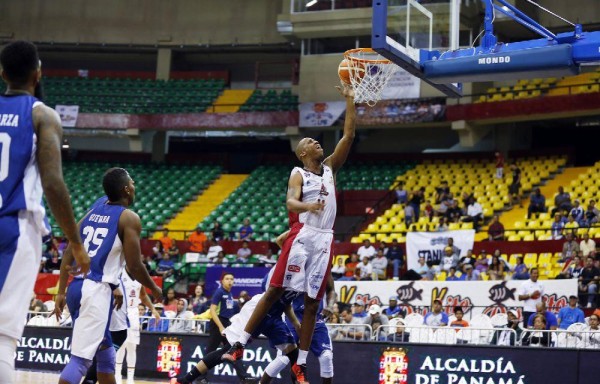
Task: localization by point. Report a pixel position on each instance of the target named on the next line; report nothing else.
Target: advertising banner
(489, 297)
(430, 245)
(402, 112)
(402, 85)
(245, 279)
(321, 114)
(68, 114)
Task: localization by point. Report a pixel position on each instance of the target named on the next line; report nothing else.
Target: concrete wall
(143, 22)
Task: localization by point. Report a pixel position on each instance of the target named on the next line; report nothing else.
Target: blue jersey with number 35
(100, 234)
(20, 185)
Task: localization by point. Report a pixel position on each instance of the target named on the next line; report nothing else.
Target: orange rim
(348, 56)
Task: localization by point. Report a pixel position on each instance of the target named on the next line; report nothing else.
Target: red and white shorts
(305, 261)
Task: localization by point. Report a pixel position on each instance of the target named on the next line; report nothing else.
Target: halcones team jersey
(317, 187)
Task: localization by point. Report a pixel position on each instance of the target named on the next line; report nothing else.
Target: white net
(369, 73)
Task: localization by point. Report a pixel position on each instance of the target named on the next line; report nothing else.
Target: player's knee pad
(105, 360)
(75, 370)
(277, 365)
(326, 363)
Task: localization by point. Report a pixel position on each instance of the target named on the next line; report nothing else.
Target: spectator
(452, 275)
(244, 253)
(216, 233)
(570, 248)
(149, 264)
(268, 259)
(220, 259)
(409, 214)
(423, 270)
(496, 229)
(198, 302)
(536, 337)
(143, 313)
(470, 274)
(454, 213)
(174, 250)
(367, 249)
(157, 251)
(466, 197)
(358, 310)
(577, 212)
(474, 213)
(521, 271)
(588, 283)
(395, 255)
(587, 245)
(415, 200)
(165, 240)
(442, 225)
(531, 292)
(393, 310)
(562, 201)
(165, 267)
(449, 260)
(496, 269)
(53, 263)
(161, 325)
(351, 333)
(400, 335)
(170, 301)
(590, 336)
(401, 194)
(351, 265)
(436, 318)
(499, 165)
(469, 258)
(482, 263)
(459, 322)
(366, 269)
(573, 268)
(551, 321)
(455, 249)
(571, 225)
(36, 305)
(537, 203)
(557, 227)
(505, 337)
(570, 314)
(591, 214)
(339, 269)
(442, 210)
(379, 265)
(442, 192)
(376, 319)
(197, 240)
(515, 185)
(429, 211)
(182, 322)
(245, 232)
(213, 249)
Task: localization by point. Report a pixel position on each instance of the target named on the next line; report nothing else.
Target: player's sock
(130, 373)
(75, 370)
(118, 370)
(245, 337)
(190, 376)
(302, 355)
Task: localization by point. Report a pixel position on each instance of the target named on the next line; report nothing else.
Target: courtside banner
(476, 297)
(430, 245)
(68, 114)
(321, 114)
(245, 279)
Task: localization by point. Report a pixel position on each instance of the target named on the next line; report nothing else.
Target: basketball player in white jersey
(30, 165)
(305, 260)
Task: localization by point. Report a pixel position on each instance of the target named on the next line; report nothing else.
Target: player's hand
(157, 293)
(59, 305)
(327, 312)
(346, 90)
(156, 314)
(316, 207)
(118, 295)
(81, 258)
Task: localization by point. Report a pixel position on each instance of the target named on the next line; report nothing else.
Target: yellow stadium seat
(530, 259)
(514, 238)
(356, 240)
(372, 228)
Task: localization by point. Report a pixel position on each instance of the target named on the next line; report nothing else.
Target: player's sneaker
(234, 353)
(300, 372)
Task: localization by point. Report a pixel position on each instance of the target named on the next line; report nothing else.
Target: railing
(350, 331)
(332, 5)
(438, 335)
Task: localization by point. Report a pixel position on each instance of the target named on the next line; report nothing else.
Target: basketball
(535, 295)
(344, 71)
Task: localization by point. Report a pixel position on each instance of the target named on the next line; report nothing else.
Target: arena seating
(271, 101)
(471, 176)
(133, 96)
(161, 190)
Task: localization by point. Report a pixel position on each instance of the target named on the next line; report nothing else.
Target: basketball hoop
(369, 73)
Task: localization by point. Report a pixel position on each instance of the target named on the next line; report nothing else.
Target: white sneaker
(118, 379)
(589, 305)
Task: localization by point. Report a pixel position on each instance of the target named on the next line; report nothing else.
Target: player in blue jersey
(111, 235)
(30, 165)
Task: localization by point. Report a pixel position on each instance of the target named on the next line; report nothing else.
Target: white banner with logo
(322, 114)
(402, 85)
(489, 297)
(431, 245)
(68, 114)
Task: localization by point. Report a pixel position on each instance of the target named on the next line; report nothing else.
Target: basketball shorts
(90, 304)
(20, 257)
(305, 261)
(275, 330)
(320, 341)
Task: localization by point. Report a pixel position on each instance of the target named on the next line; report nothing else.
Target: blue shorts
(275, 330)
(320, 341)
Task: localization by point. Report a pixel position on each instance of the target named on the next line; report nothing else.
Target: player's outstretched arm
(281, 238)
(339, 156)
(130, 228)
(148, 304)
(294, 192)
